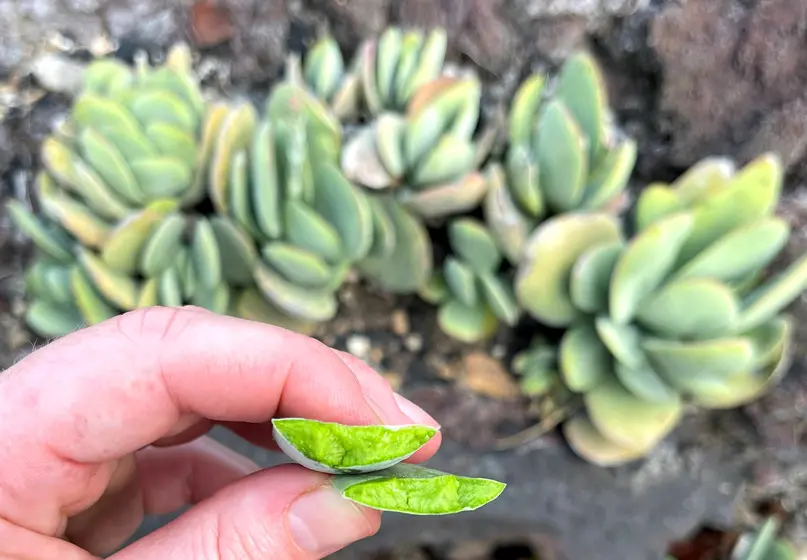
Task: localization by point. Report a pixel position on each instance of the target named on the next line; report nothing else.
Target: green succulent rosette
(564, 154)
(680, 312)
(116, 227)
(278, 178)
(383, 76)
(474, 294)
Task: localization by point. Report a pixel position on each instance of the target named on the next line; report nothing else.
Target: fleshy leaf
(295, 300)
(709, 358)
(627, 421)
(335, 448)
(773, 296)
(584, 360)
(591, 445)
(591, 277)
(644, 264)
(562, 158)
(466, 324)
(542, 280)
(693, 308)
(418, 490)
(473, 244)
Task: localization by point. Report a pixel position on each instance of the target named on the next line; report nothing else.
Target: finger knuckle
(159, 324)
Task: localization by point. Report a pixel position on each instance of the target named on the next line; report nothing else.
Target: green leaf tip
(341, 449)
(418, 490)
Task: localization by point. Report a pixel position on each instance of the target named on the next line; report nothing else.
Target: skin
(108, 424)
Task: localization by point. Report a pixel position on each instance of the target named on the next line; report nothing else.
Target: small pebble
(400, 322)
(359, 345)
(58, 73)
(413, 343)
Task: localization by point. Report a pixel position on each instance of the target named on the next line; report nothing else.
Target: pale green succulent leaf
(773, 296)
(162, 246)
(346, 208)
(411, 44)
(690, 308)
(385, 63)
(362, 162)
(471, 241)
(655, 203)
(505, 221)
(628, 421)
(96, 194)
(237, 251)
(423, 131)
(163, 106)
(297, 265)
(242, 208)
(111, 165)
(93, 308)
(704, 180)
(500, 298)
(751, 195)
(390, 130)
(430, 60)
(456, 197)
(324, 67)
(645, 263)
(624, 342)
(409, 266)
(162, 177)
(582, 89)
(335, 448)
(611, 175)
(417, 490)
(769, 341)
(215, 299)
(101, 73)
(707, 358)
(591, 445)
(562, 158)
(469, 324)
(541, 283)
(461, 281)
(52, 320)
(169, 287)
(251, 305)
(206, 255)
(524, 109)
(174, 142)
(117, 288)
(370, 55)
(384, 235)
(644, 383)
(234, 134)
(590, 277)
(309, 230)
(127, 240)
(523, 180)
(295, 300)
(741, 252)
(584, 359)
(181, 83)
(149, 294)
(45, 238)
(73, 216)
(450, 158)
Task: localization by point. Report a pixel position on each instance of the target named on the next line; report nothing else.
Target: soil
(687, 79)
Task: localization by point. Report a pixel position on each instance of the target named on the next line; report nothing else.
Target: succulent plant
(278, 178)
(763, 544)
(428, 156)
(563, 155)
(477, 296)
(383, 76)
(121, 177)
(678, 313)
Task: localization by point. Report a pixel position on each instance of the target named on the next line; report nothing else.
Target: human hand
(107, 424)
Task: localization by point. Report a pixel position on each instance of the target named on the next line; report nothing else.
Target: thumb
(283, 513)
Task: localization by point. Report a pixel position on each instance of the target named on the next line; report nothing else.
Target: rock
(359, 346)
(413, 343)
(259, 43)
(399, 322)
(354, 20)
(57, 73)
(153, 22)
(732, 71)
(210, 24)
(590, 8)
(486, 375)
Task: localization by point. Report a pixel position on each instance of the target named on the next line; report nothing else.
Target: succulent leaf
(562, 157)
(541, 281)
(506, 223)
(465, 323)
(591, 276)
(774, 295)
(592, 446)
(584, 360)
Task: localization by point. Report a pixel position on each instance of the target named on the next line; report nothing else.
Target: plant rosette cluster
(679, 313)
(367, 462)
(121, 177)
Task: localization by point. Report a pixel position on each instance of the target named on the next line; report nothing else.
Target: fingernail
(322, 521)
(413, 411)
